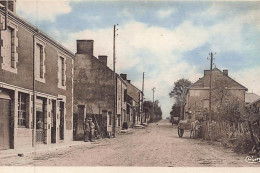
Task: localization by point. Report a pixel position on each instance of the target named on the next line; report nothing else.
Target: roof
(35, 30)
(251, 97)
(201, 80)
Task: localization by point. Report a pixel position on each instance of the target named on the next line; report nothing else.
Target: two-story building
(95, 92)
(36, 86)
(224, 90)
(121, 103)
(134, 103)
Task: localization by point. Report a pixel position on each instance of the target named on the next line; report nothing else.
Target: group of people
(89, 130)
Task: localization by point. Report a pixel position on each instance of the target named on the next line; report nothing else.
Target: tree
(179, 94)
(179, 90)
(148, 110)
(175, 112)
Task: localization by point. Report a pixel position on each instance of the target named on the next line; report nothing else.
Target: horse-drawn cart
(191, 125)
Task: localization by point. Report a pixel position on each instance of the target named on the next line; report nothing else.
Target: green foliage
(175, 112)
(179, 90)
(148, 110)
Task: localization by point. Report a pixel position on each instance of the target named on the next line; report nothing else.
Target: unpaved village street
(156, 145)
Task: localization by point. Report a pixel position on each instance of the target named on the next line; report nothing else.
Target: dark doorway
(53, 122)
(61, 120)
(5, 125)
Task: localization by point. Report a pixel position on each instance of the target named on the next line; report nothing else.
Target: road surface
(156, 145)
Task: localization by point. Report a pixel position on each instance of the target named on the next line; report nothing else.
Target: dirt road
(156, 145)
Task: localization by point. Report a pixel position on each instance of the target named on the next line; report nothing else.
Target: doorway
(5, 124)
(53, 122)
(61, 120)
(39, 121)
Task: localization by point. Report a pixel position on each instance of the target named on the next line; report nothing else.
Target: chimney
(11, 5)
(206, 72)
(85, 47)
(123, 76)
(103, 59)
(129, 81)
(225, 72)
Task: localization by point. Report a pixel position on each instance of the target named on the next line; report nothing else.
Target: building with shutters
(24, 47)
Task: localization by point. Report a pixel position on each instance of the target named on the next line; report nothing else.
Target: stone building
(23, 46)
(94, 92)
(121, 103)
(224, 90)
(134, 105)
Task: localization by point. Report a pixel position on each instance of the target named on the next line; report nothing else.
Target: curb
(32, 151)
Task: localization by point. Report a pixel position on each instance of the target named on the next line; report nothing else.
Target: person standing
(86, 128)
(92, 129)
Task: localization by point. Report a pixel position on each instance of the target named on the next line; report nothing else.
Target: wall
(22, 81)
(93, 84)
(224, 89)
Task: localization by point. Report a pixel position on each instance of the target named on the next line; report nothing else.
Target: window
(21, 110)
(39, 61)
(8, 50)
(61, 72)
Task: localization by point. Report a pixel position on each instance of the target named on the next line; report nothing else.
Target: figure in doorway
(92, 130)
(39, 124)
(86, 128)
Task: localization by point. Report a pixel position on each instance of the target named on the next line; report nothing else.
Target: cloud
(166, 13)
(249, 78)
(43, 9)
(160, 51)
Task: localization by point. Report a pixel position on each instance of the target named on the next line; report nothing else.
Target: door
(53, 122)
(39, 121)
(61, 120)
(4, 124)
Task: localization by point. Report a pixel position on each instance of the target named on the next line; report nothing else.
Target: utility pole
(115, 79)
(34, 91)
(143, 101)
(153, 99)
(6, 15)
(210, 87)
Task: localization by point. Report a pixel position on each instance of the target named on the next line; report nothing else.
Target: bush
(242, 144)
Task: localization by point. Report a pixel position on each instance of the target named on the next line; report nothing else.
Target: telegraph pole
(210, 87)
(143, 101)
(115, 79)
(153, 99)
(34, 90)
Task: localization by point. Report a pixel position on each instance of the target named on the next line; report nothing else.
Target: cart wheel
(180, 132)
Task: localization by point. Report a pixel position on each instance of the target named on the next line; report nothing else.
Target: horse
(195, 128)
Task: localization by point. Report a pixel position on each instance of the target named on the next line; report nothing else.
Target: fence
(215, 131)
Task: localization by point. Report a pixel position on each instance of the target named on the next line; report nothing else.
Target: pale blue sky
(167, 40)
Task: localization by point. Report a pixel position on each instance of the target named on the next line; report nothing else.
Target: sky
(168, 40)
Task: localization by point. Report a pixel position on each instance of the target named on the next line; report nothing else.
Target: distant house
(224, 90)
(251, 97)
(253, 100)
(134, 105)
